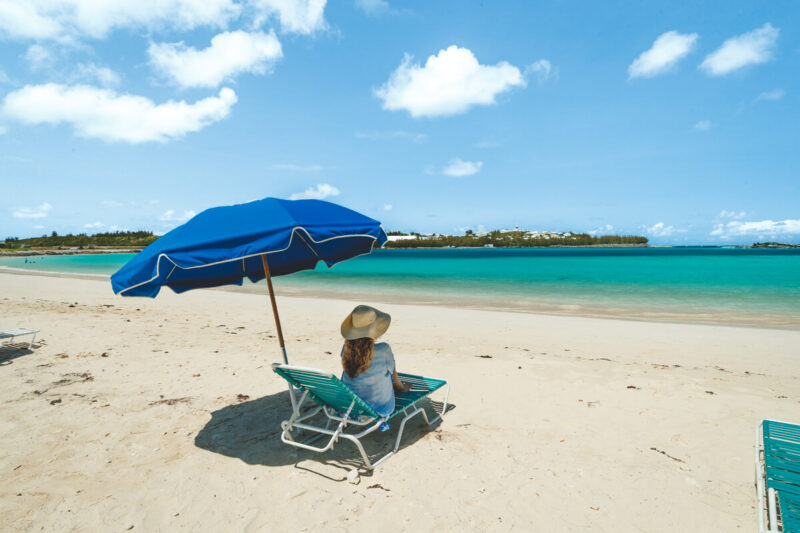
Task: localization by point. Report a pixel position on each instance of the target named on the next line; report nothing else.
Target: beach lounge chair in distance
(777, 456)
(344, 408)
(17, 332)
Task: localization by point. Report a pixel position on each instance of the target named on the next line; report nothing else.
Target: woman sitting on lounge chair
(369, 368)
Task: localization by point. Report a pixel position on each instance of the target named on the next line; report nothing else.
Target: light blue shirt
(374, 386)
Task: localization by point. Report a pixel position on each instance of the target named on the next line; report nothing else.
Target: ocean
(727, 285)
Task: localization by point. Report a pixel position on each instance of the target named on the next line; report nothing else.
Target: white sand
(546, 435)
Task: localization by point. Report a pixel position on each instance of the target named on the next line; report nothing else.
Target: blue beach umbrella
(256, 240)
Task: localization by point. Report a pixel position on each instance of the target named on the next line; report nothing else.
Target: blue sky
(675, 122)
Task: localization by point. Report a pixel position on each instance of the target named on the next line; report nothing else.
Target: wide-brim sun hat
(365, 321)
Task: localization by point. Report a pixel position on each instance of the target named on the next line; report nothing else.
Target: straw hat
(365, 321)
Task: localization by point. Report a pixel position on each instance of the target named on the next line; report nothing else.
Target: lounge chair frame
(18, 332)
(357, 414)
(777, 463)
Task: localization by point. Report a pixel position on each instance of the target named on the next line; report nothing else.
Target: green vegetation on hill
(774, 245)
(117, 239)
(514, 239)
(497, 239)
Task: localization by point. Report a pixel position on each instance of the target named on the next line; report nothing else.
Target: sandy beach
(163, 415)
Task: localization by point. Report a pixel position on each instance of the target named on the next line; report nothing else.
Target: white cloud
(703, 125)
(42, 58)
(94, 225)
(750, 48)
(4, 78)
(298, 168)
(776, 94)
(388, 135)
(667, 50)
(320, 192)
(373, 7)
(38, 57)
(458, 168)
(732, 214)
(103, 75)
(35, 212)
(602, 230)
(660, 230)
(22, 19)
(38, 226)
(295, 16)
(230, 54)
(387, 207)
(543, 71)
(761, 227)
(171, 216)
(68, 19)
(105, 114)
(449, 83)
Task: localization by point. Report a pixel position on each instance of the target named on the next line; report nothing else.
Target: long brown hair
(357, 355)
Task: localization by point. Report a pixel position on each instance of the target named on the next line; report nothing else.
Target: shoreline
(631, 313)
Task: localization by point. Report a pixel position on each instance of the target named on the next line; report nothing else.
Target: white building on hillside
(393, 238)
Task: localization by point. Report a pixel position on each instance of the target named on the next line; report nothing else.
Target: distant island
(112, 242)
(510, 239)
(774, 245)
(134, 241)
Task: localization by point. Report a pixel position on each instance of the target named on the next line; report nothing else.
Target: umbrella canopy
(223, 245)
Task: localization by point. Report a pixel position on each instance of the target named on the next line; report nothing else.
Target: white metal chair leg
(773, 512)
(296, 422)
(759, 481)
(30, 344)
(360, 447)
(400, 434)
(444, 407)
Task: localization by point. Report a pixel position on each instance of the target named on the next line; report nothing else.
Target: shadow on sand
(11, 351)
(250, 431)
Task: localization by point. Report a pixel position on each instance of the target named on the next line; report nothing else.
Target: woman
(369, 368)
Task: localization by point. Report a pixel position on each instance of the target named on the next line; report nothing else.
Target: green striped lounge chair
(777, 454)
(343, 409)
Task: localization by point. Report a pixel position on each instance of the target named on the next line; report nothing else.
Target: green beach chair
(777, 454)
(342, 406)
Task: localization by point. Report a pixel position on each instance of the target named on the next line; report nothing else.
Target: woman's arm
(398, 385)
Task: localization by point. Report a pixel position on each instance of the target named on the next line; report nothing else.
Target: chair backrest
(782, 456)
(325, 389)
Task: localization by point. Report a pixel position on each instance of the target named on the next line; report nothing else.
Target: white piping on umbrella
(291, 238)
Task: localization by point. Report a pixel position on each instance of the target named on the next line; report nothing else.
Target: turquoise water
(105, 264)
(742, 285)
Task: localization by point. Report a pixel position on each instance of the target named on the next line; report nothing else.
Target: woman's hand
(398, 385)
(402, 386)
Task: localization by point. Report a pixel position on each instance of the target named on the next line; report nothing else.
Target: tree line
(515, 239)
(132, 239)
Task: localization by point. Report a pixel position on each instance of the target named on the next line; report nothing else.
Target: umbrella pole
(277, 318)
